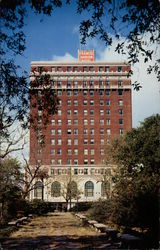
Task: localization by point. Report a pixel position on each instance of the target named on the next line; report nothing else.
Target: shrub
(81, 207)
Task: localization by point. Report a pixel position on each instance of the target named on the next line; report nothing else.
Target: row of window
(81, 171)
(56, 189)
(74, 151)
(91, 92)
(75, 122)
(90, 83)
(83, 68)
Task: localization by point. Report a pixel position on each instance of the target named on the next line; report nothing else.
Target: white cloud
(65, 58)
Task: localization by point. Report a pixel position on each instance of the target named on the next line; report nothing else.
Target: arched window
(105, 188)
(38, 189)
(89, 189)
(56, 189)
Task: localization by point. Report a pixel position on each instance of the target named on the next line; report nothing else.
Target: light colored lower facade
(92, 183)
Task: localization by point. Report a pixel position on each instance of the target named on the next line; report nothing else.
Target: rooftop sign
(86, 55)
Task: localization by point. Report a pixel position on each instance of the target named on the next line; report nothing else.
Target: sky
(57, 38)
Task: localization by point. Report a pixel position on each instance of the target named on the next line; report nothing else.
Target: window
(85, 122)
(85, 102)
(69, 102)
(52, 161)
(85, 92)
(107, 92)
(121, 111)
(101, 151)
(59, 161)
(69, 131)
(91, 161)
(69, 122)
(39, 151)
(91, 112)
(59, 131)
(76, 151)
(101, 69)
(91, 83)
(75, 122)
(75, 131)
(85, 161)
(101, 102)
(56, 189)
(108, 131)
(68, 84)
(108, 122)
(100, 83)
(59, 92)
(52, 151)
(91, 122)
(121, 131)
(75, 103)
(59, 122)
(59, 141)
(84, 83)
(120, 92)
(92, 151)
(89, 189)
(52, 141)
(75, 171)
(39, 112)
(52, 122)
(59, 83)
(91, 141)
(91, 131)
(121, 121)
(69, 69)
(53, 69)
(107, 69)
(52, 131)
(85, 151)
(86, 171)
(91, 102)
(85, 112)
(68, 112)
(75, 141)
(119, 68)
(101, 131)
(91, 92)
(107, 102)
(59, 112)
(84, 69)
(75, 112)
(59, 102)
(38, 189)
(101, 92)
(85, 131)
(59, 69)
(69, 161)
(69, 151)
(120, 83)
(75, 69)
(107, 82)
(85, 141)
(102, 141)
(39, 120)
(59, 151)
(101, 122)
(101, 112)
(120, 102)
(69, 93)
(108, 111)
(91, 69)
(76, 161)
(69, 142)
(75, 92)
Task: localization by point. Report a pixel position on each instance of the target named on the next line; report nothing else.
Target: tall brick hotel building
(94, 106)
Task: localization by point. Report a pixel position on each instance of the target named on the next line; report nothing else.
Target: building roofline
(50, 63)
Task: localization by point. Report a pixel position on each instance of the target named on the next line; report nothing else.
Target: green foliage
(81, 207)
(101, 211)
(40, 207)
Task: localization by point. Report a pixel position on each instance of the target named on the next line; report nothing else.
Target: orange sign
(86, 55)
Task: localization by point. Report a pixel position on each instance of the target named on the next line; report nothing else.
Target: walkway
(57, 231)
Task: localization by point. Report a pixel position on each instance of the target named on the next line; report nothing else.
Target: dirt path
(59, 231)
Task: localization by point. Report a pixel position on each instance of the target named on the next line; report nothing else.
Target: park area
(57, 231)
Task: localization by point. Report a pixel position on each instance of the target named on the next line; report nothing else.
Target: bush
(101, 211)
(81, 207)
(40, 207)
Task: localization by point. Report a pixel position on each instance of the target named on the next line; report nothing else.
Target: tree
(136, 181)
(10, 185)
